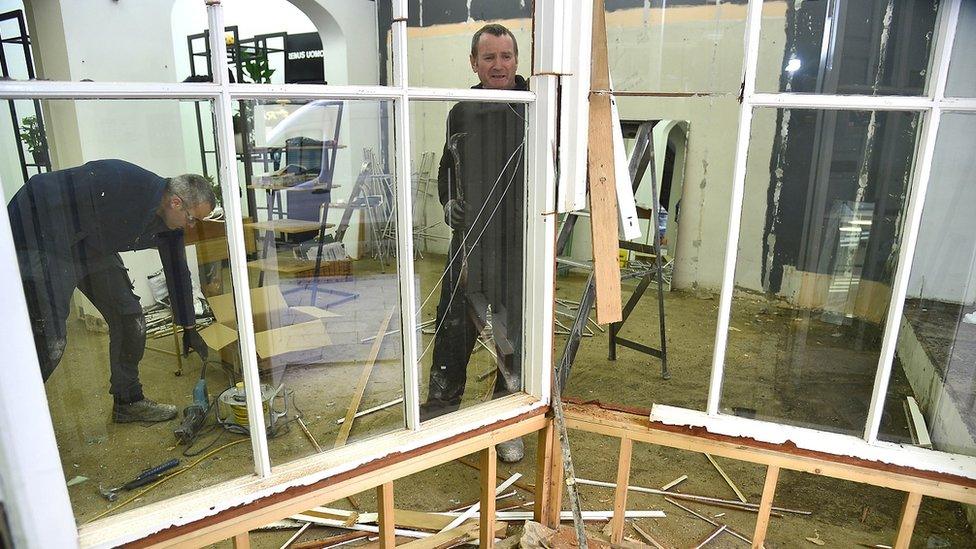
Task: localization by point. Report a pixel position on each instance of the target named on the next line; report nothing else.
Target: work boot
(145, 410)
(511, 451)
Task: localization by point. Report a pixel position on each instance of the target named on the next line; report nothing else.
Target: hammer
(144, 478)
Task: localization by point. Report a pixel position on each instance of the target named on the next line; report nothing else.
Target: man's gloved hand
(454, 213)
(193, 341)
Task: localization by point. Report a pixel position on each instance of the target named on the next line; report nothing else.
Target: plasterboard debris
(536, 536)
(77, 480)
(816, 539)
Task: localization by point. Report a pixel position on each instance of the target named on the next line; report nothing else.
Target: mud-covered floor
(844, 513)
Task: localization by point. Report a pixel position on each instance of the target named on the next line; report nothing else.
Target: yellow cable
(164, 479)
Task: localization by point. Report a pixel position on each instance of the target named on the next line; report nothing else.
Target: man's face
(178, 215)
(496, 62)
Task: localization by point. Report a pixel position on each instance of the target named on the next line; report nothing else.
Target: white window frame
(932, 105)
(28, 450)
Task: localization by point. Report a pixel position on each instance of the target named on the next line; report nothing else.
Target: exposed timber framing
(237, 520)
(632, 424)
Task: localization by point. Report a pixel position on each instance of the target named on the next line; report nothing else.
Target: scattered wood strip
(518, 483)
(330, 541)
(647, 537)
(714, 534)
(464, 506)
(357, 396)
(674, 482)
(477, 506)
(708, 520)
(341, 515)
(568, 515)
(692, 497)
(448, 538)
(368, 411)
(308, 434)
(291, 540)
(728, 480)
(358, 527)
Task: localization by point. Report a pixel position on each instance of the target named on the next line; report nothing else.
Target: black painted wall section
(799, 221)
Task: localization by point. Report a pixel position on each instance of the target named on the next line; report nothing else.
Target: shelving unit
(40, 164)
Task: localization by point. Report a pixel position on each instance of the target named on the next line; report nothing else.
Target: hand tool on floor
(194, 414)
(144, 478)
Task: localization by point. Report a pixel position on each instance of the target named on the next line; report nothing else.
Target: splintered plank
(602, 183)
(357, 396)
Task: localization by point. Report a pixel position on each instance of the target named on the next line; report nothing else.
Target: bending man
(69, 227)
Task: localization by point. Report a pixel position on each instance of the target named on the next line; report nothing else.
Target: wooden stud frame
(932, 105)
(633, 425)
(37, 454)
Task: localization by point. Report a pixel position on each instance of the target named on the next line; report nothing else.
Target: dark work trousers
(456, 336)
(49, 281)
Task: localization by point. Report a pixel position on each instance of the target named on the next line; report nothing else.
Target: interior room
(391, 222)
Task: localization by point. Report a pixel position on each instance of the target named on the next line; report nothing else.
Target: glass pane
(932, 376)
(693, 161)
(823, 204)
(662, 47)
(439, 44)
(110, 251)
(321, 190)
(962, 70)
(283, 42)
(154, 38)
(875, 47)
(468, 228)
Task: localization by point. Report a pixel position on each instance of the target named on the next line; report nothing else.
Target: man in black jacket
(480, 183)
(69, 227)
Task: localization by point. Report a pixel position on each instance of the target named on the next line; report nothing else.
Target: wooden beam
(489, 474)
(765, 506)
(620, 493)
(242, 541)
(357, 396)
(594, 419)
(555, 480)
(296, 500)
(602, 183)
(387, 520)
(909, 514)
(543, 466)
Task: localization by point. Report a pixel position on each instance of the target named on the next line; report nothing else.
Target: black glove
(454, 213)
(192, 340)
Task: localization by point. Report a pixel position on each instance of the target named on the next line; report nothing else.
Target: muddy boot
(511, 451)
(145, 410)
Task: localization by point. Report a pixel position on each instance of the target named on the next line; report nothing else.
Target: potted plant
(33, 137)
(255, 64)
